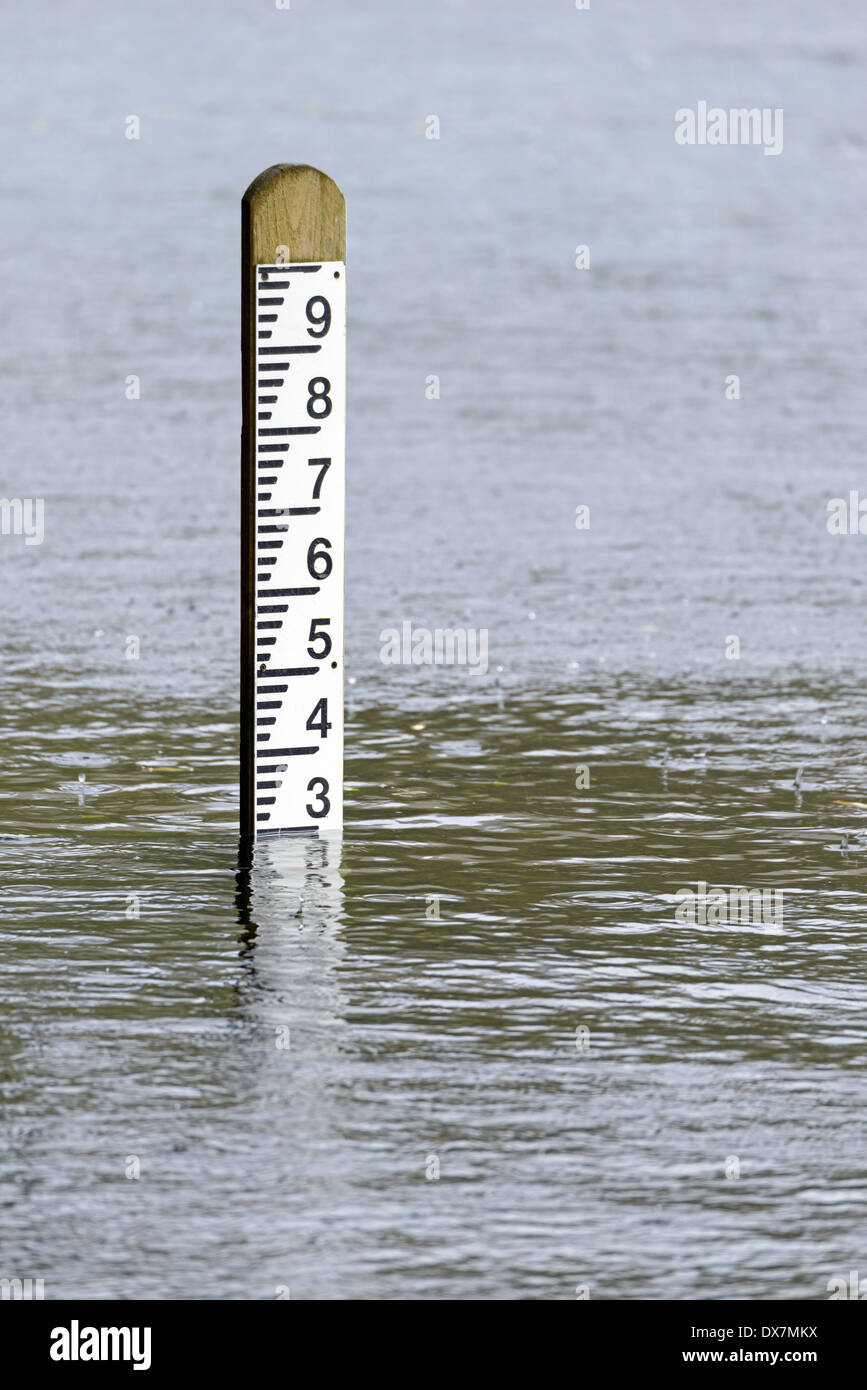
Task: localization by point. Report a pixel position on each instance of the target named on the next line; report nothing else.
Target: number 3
(320, 796)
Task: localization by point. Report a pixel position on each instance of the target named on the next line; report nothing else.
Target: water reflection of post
(293, 1010)
(290, 905)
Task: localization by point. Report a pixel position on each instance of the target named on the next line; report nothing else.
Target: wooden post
(293, 348)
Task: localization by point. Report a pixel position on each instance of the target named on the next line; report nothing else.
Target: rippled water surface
(486, 978)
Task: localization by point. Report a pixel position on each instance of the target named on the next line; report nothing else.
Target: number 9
(324, 318)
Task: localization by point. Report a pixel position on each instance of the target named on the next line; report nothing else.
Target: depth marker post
(293, 453)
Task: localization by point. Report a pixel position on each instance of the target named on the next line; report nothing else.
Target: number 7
(323, 465)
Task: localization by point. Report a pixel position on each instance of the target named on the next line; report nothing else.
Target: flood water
(470, 1051)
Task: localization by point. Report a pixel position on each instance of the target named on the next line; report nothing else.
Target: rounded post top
(294, 206)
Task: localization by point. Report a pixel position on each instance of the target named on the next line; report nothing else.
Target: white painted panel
(301, 418)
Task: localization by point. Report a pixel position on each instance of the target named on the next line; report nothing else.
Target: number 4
(321, 724)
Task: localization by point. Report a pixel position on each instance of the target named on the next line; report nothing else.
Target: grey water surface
(486, 979)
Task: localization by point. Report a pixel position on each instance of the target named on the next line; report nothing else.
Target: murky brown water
(291, 1053)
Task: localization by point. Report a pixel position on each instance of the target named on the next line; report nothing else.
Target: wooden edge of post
(291, 213)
